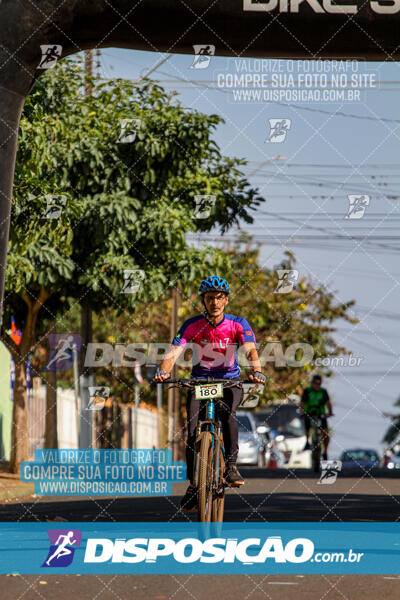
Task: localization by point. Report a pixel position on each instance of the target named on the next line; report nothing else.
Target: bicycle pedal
(233, 485)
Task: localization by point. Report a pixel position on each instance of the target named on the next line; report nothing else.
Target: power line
(365, 344)
(200, 83)
(293, 242)
(341, 165)
(375, 239)
(306, 180)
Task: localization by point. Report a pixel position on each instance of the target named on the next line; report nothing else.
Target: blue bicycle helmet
(214, 284)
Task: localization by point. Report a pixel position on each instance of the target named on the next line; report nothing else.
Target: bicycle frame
(214, 427)
(209, 451)
(316, 441)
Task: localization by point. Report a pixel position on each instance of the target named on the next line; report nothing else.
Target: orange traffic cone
(273, 459)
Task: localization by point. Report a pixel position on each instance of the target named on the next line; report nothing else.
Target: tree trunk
(19, 432)
(51, 438)
(10, 111)
(86, 334)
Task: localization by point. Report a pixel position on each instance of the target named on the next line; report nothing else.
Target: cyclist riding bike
(315, 402)
(215, 337)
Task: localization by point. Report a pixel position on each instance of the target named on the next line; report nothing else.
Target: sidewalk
(11, 488)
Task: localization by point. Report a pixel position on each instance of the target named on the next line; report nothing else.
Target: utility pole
(86, 311)
(51, 437)
(87, 416)
(98, 63)
(172, 393)
(88, 71)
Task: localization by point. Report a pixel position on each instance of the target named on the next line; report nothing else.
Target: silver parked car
(251, 444)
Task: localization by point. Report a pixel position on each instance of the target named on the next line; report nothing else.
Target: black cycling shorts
(226, 409)
(308, 421)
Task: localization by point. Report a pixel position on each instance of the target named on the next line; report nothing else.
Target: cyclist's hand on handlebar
(257, 377)
(161, 376)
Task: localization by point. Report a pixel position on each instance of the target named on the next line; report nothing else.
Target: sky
(336, 143)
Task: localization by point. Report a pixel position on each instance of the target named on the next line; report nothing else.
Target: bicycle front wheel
(218, 503)
(205, 477)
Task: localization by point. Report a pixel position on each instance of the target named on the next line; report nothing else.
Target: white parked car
(287, 426)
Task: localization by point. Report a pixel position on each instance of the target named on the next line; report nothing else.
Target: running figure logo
(357, 206)
(62, 346)
(60, 551)
(287, 279)
(50, 55)
(54, 206)
(98, 396)
(202, 56)
(278, 129)
(204, 206)
(132, 281)
(329, 471)
(129, 128)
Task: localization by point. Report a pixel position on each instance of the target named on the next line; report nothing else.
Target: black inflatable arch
(306, 29)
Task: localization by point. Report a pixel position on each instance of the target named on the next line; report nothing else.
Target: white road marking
(283, 583)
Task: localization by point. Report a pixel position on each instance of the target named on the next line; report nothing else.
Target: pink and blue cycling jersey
(215, 346)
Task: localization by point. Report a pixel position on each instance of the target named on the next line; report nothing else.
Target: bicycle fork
(216, 433)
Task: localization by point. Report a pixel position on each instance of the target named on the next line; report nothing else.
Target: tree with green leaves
(307, 315)
(123, 203)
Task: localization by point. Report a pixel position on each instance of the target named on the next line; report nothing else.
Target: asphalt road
(267, 496)
(278, 495)
(200, 587)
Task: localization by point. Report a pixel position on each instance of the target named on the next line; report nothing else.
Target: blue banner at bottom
(214, 548)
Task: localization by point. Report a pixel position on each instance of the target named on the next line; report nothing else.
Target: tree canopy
(95, 199)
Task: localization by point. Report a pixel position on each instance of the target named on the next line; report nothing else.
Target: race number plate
(209, 390)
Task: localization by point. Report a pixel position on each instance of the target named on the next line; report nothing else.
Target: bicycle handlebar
(193, 382)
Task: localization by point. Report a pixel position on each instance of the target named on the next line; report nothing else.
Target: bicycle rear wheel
(316, 454)
(205, 477)
(218, 503)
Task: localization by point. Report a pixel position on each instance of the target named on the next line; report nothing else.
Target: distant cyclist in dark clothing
(315, 402)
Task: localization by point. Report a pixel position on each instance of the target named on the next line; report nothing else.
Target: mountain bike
(316, 441)
(209, 461)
